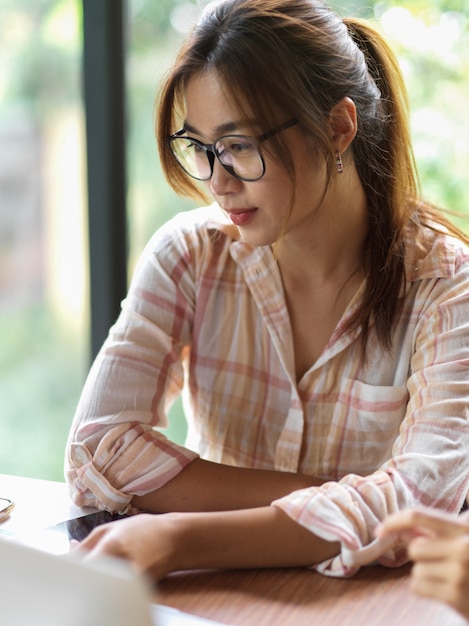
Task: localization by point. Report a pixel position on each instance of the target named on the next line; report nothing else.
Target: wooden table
(376, 596)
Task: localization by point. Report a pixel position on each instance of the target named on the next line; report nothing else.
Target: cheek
(276, 180)
(310, 177)
(274, 192)
(312, 180)
(205, 186)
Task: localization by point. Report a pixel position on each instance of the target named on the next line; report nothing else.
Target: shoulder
(199, 222)
(192, 242)
(432, 252)
(194, 229)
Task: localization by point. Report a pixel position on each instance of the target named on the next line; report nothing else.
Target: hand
(438, 543)
(422, 522)
(146, 541)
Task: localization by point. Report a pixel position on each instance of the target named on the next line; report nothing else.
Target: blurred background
(44, 258)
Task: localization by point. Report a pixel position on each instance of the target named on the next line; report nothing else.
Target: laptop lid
(42, 589)
(60, 580)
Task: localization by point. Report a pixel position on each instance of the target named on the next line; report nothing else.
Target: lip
(241, 216)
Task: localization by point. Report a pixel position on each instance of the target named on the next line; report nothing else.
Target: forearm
(253, 538)
(262, 537)
(206, 486)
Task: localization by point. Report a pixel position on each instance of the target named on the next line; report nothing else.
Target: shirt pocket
(364, 426)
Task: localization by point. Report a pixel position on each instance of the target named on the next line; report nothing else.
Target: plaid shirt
(206, 312)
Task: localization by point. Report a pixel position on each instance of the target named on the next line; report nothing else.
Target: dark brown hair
(285, 59)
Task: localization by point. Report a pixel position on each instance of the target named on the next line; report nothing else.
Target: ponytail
(384, 70)
(385, 163)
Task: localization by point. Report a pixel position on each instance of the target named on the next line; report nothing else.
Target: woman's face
(260, 209)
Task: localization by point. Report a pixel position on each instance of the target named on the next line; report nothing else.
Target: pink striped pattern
(206, 312)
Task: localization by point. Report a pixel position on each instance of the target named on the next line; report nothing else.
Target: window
(43, 268)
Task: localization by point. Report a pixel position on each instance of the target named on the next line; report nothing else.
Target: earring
(338, 162)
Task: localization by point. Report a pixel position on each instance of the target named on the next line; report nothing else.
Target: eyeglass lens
(238, 154)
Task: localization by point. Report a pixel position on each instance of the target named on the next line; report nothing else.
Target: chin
(256, 240)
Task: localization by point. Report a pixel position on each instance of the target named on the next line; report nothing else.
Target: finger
(95, 536)
(446, 584)
(422, 549)
(428, 586)
(425, 572)
(406, 525)
(455, 549)
(426, 522)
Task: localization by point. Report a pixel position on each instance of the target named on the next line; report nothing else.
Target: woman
(316, 314)
(439, 544)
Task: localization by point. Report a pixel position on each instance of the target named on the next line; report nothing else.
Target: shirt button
(80, 457)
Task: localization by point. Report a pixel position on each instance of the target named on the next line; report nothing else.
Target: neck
(331, 246)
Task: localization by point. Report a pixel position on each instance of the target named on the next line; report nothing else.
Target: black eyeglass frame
(211, 152)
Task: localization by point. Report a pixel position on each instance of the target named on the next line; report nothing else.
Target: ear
(343, 124)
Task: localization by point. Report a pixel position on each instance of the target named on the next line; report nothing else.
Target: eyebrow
(229, 127)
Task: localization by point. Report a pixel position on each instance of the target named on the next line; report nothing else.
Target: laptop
(40, 588)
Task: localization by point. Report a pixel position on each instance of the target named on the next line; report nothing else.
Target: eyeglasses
(239, 155)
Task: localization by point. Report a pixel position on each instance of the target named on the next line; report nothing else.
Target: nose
(222, 182)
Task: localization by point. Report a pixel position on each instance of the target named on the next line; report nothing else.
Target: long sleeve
(429, 463)
(114, 450)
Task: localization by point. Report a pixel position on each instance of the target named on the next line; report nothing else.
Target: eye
(193, 145)
(236, 146)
